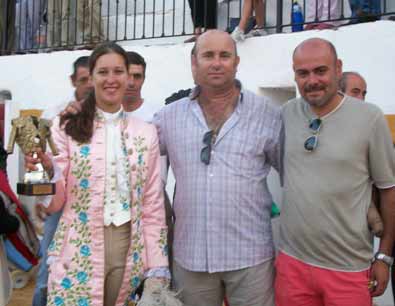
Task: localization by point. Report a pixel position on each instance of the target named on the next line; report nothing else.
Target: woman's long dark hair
(80, 126)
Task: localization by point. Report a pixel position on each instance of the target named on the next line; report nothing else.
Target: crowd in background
(59, 25)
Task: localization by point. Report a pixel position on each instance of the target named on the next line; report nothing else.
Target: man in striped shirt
(221, 141)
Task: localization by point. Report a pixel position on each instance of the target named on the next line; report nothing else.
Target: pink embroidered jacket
(77, 275)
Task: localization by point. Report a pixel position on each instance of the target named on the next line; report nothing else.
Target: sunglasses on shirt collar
(311, 142)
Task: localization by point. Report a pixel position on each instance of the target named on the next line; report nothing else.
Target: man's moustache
(309, 89)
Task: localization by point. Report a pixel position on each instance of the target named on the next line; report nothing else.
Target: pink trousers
(301, 284)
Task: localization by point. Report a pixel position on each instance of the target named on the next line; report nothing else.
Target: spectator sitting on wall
(322, 12)
(7, 21)
(204, 16)
(249, 6)
(365, 10)
(74, 22)
(29, 18)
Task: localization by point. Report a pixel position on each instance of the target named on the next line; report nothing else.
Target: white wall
(42, 80)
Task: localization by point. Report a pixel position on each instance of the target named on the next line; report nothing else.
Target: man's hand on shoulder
(73, 108)
(379, 278)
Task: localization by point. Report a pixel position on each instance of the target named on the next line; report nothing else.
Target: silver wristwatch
(385, 258)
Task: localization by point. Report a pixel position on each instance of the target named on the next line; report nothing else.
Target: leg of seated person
(246, 14)
(313, 10)
(210, 14)
(259, 8)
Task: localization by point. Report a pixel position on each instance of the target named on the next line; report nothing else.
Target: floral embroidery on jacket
(137, 245)
(74, 287)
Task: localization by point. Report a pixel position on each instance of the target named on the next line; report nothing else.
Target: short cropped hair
(136, 59)
(82, 61)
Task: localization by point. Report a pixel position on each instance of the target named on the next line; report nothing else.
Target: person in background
(204, 16)
(353, 85)
(321, 14)
(72, 22)
(365, 10)
(249, 6)
(30, 25)
(7, 26)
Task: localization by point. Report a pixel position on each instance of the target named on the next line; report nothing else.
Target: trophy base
(36, 189)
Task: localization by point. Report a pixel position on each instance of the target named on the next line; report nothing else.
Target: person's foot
(255, 32)
(238, 34)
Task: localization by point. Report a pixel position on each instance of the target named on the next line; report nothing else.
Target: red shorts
(301, 284)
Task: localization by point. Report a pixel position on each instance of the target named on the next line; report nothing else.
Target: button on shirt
(117, 196)
(222, 210)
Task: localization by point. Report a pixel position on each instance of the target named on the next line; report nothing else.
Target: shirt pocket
(247, 157)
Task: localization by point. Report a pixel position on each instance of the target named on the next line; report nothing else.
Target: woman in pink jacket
(112, 233)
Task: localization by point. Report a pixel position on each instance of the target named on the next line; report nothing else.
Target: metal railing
(46, 25)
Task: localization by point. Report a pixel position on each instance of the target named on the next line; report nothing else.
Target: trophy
(30, 133)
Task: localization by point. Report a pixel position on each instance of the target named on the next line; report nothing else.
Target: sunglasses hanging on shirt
(312, 142)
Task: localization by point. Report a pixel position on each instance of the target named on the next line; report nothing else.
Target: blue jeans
(40, 292)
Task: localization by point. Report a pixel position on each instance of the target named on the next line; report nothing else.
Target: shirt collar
(311, 114)
(109, 117)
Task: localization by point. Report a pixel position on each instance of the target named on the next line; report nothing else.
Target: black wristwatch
(384, 258)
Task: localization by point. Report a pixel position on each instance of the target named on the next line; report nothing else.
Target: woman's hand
(32, 159)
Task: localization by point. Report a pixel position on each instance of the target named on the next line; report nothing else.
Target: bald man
(331, 158)
(221, 141)
(353, 85)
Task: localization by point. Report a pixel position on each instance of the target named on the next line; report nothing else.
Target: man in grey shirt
(335, 147)
(221, 141)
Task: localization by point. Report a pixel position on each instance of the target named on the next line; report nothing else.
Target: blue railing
(46, 25)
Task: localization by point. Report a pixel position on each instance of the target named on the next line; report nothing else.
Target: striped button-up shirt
(222, 210)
